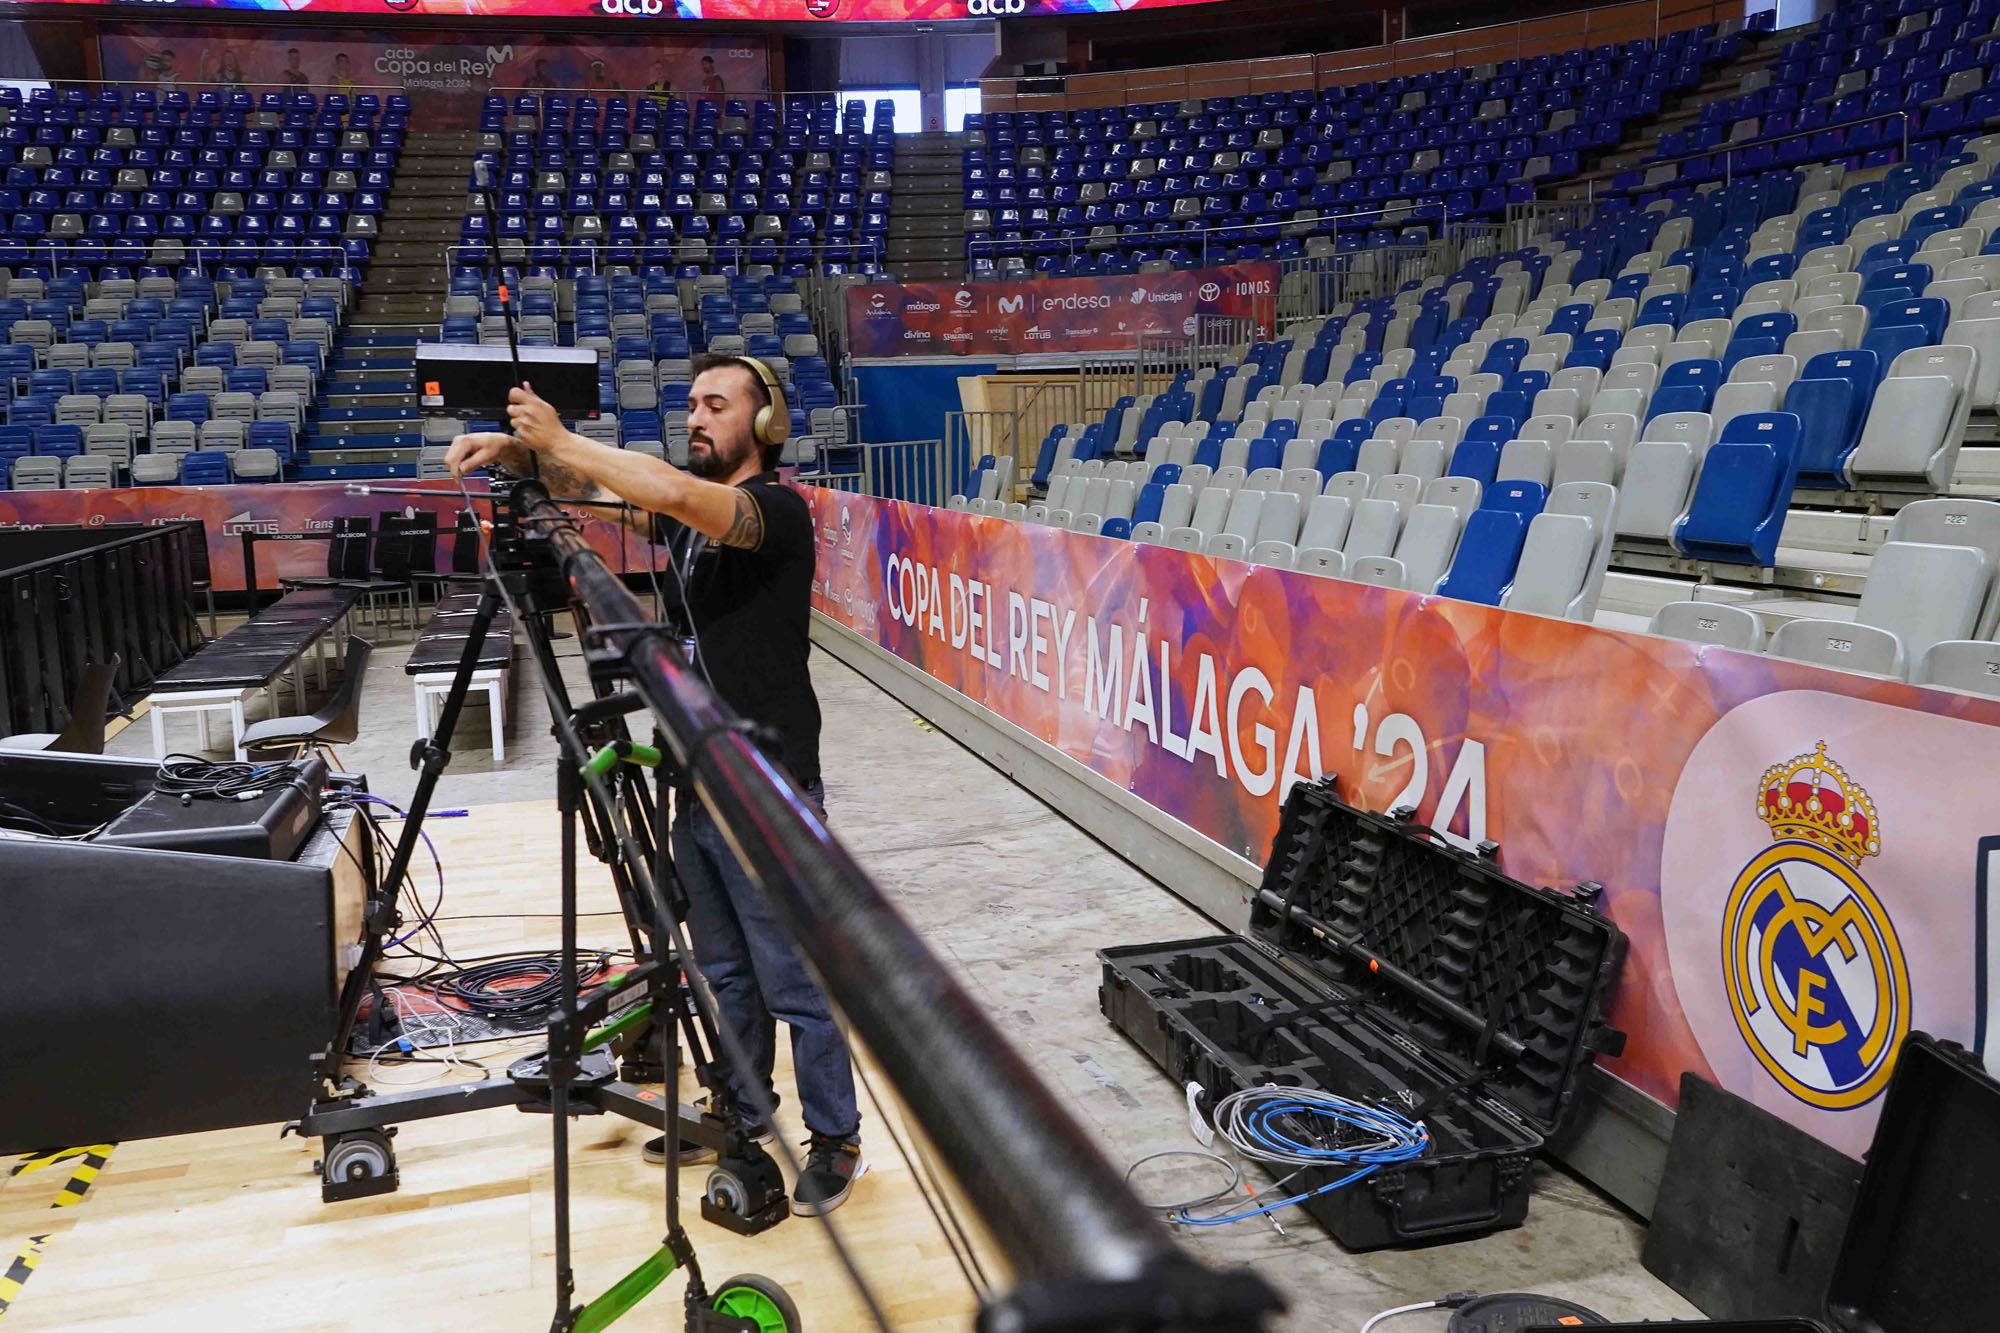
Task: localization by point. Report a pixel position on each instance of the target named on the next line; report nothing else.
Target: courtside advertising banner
(1799, 857)
(1051, 315)
(446, 75)
(765, 11)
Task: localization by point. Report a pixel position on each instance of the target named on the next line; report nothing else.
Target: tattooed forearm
(566, 482)
(746, 529)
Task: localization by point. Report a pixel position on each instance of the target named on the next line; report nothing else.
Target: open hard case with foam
(1387, 965)
(1921, 1247)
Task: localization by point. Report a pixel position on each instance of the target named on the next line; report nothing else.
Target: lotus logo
(963, 300)
(1139, 296)
(1011, 305)
(1210, 291)
(822, 9)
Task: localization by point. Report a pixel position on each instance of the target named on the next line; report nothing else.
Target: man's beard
(713, 461)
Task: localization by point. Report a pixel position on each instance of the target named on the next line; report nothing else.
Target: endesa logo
(985, 9)
(637, 9)
(1079, 302)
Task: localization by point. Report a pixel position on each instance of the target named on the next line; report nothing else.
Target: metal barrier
(926, 472)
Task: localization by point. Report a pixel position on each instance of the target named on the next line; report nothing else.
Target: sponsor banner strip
(1051, 315)
(1793, 852)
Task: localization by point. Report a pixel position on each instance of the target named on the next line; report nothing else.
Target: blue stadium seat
(1743, 491)
(1831, 398)
(1488, 552)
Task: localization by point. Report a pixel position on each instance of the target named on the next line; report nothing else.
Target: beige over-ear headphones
(773, 422)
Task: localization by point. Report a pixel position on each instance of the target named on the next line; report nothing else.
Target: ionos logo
(1210, 291)
(981, 9)
(1011, 305)
(632, 8)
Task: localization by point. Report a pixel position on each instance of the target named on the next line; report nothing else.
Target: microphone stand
(482, 180)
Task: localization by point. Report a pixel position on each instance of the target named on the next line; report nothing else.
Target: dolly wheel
(760, 1300)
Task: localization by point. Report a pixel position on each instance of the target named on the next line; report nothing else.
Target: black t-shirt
(750, 612)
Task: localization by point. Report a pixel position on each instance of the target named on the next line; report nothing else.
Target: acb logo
(1814, 971)
(633, 8)
(980, 9)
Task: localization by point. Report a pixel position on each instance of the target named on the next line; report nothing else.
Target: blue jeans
(759, 979)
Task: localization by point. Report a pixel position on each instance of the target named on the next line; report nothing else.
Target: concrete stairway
(927, 210)
(367, 424)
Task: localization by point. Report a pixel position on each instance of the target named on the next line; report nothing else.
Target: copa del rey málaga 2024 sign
(1053, 315)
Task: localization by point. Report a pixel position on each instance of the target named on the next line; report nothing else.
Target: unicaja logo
(1138, 296)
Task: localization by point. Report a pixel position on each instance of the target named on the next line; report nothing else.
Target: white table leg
(496, 721)
(236, 721)
(201, 728)
(159, 730)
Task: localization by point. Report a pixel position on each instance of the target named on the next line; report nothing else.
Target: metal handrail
(1724, 150)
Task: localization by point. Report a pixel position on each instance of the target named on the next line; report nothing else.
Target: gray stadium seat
(1239, 528)
(256, 465)
(1917, 421)
(1425, 549)
(1176, 511)
(1380, 570)
(1951, 520)
(89, 472)
(1554, 565)
(1971, 665)
(173, 437)
(1840, 645)
(1917, 593)
(37, 474)
(156, 469)
(1373, 530)
(1715, 623)
(111, 440)
(1324, 531)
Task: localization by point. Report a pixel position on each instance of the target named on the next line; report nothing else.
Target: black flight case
(1389, 966)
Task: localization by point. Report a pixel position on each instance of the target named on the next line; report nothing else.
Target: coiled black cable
(191, 775)
(517, 987)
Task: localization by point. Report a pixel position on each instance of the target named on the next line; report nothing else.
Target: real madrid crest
(1815, 975)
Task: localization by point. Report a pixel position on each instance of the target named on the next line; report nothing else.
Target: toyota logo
(1210, 291)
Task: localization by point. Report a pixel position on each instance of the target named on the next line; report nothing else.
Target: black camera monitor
(461, 380)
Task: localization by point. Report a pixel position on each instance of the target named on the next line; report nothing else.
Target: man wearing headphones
(741, 546)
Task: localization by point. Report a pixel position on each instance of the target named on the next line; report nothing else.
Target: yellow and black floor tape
(84, 1165)
(19, 1271)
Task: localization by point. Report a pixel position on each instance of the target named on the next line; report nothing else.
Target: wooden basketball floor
(226, 1230)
